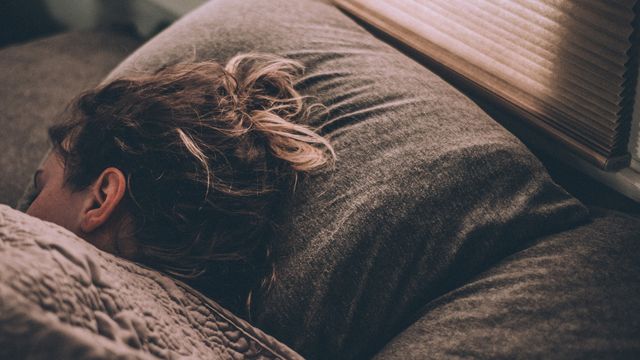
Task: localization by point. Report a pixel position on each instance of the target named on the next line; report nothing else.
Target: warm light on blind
(565, 65)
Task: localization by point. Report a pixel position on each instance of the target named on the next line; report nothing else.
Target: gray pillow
(571, 295)
(428, 189)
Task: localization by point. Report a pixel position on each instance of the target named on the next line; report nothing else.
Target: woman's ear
(103, 199)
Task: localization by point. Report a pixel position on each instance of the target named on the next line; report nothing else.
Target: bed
(438, 234)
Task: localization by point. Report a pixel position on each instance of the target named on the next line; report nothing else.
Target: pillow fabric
(572, 295)
(428, 190)
(62, 298)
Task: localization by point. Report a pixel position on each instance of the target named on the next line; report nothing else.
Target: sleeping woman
(182, 170)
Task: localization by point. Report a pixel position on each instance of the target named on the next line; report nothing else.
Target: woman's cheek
(48, 206)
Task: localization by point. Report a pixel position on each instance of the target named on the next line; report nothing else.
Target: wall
(148, 16)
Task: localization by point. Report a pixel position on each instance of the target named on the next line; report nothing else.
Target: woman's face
(55, 202)
(81, 211)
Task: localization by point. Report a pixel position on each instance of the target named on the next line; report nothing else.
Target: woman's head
(92, 212)
(188, 164)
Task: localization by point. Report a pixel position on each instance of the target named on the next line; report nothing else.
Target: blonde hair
(208, 150)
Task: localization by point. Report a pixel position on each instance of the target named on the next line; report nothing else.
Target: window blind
(567, 66)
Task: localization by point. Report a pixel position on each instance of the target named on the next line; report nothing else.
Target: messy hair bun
(265, 86)
(207, 150)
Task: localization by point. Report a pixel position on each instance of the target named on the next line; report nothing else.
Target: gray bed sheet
(570, 295)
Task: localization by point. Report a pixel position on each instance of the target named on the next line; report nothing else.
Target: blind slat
(526, 62)
(563, 63)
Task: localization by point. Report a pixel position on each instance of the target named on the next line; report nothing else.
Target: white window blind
(567, 66)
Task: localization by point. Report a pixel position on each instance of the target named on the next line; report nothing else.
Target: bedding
(571, 295)
(428, 190)
(62, 298)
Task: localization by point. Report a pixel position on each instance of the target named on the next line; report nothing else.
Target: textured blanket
(62, 298)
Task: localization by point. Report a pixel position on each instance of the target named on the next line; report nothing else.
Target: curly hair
(207, 151)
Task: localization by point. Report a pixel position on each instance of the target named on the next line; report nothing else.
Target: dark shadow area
(583, 187)
(24, 20)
